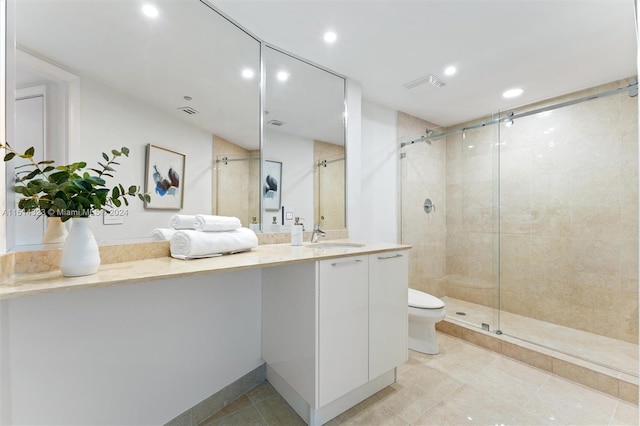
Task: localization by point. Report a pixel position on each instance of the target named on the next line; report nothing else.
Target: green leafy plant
(69, 191)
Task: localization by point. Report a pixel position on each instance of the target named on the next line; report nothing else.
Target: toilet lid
(419, 299)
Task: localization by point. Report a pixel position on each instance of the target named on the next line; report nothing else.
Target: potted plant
(75, 192)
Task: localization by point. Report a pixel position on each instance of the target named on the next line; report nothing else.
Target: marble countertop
(159, 268)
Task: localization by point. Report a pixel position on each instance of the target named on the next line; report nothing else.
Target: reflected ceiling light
(247, 73)
(450, 70)
(512, 93)
(330, 37)
(150, 10)
(283, 76)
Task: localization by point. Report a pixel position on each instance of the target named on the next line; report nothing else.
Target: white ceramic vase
(56, 231)
(80, 254)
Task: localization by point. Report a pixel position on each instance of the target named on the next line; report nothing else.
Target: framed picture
(164, 178)
(272, 185)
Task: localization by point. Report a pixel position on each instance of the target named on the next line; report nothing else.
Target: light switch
(113, 218)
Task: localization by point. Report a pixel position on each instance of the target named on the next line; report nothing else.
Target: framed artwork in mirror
(272, 185)
(164, 178)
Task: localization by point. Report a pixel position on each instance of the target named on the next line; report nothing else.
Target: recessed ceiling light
(247, 73)
(150, 10)
(330, 37)
(450, 70)
(283, 76)
(512, 93)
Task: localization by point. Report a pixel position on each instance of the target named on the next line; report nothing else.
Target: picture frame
(272, 185)
(164, 181)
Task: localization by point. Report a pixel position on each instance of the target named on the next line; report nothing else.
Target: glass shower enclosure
(535, 231)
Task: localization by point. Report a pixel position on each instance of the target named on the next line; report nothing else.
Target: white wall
(297, 157)
(379, 171)
(111, 120)
(135, 354)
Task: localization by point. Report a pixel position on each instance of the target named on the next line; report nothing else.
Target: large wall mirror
(91, 76)
(101, 74)
(303, 148)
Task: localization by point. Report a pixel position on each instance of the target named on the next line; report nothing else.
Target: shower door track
(632, 88)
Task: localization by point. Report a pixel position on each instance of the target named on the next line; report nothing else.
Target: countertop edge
(162, 268)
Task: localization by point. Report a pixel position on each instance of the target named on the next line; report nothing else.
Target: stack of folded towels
(195, 236)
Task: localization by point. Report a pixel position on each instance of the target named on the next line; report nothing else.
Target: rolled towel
(163, 234)
(189, 243)
(205, 222)
(182, 221)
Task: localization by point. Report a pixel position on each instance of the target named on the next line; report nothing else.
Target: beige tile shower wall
(423, 176)
(233, 182)
(568, 215)
(329, 195)
(471, 216)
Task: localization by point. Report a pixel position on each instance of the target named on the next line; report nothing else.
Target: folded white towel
(163, 234)
(189, 243)
(205, 222)
(182, 221)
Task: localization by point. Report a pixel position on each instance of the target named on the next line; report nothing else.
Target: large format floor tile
(464, 384)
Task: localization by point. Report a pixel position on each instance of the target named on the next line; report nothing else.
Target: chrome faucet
(317, 232)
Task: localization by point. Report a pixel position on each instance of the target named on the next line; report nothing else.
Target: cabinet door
(343, 326)
(388, 312)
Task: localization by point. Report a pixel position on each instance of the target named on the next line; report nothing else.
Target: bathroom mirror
(303, 148)
(107, 74)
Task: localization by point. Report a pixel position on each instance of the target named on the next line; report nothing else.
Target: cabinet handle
(389, 257)
(345, 263)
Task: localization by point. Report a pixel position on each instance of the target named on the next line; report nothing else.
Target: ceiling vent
(188, 110)
(275, 123)
(430, 78)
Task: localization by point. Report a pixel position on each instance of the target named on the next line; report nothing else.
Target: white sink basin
(335, 245)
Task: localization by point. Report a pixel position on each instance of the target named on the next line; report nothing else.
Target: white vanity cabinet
(388, 311)
(343, 326)
(334, 330)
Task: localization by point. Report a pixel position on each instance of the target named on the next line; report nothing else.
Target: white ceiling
(546, 47)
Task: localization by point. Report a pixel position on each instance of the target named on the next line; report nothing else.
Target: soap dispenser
(296, 233)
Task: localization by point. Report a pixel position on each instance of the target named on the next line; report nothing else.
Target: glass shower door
(472, 274)
(455, 244)
(569, 229)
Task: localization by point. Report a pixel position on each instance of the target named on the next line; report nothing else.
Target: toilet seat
(421, 300)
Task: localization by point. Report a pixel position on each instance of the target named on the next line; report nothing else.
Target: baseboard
(216, 402)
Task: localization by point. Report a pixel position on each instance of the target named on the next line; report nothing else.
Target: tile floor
(464, 384)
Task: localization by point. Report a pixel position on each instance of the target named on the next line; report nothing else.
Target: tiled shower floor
(598, 349)
(463, 384)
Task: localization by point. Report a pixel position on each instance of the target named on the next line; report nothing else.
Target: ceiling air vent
(188, 110)
(430, 78)
(275, 122)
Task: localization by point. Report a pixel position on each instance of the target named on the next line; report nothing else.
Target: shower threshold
(600, 362)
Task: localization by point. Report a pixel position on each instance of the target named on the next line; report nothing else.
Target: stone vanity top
(124, 272)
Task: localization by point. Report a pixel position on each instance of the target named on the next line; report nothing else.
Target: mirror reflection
(303, 146)
(105, 74)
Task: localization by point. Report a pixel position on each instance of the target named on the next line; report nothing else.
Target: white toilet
(425, 311)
